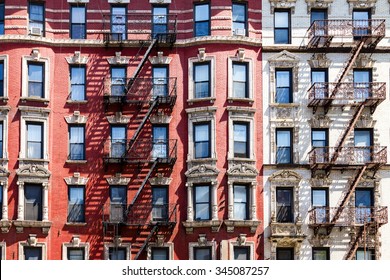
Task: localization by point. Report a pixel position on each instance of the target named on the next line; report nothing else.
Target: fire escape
(365, 36)
(143, 97)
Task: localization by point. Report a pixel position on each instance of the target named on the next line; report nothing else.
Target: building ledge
(76, 224)
(286, 229)
(252, 224)
(5, 225)
(35, 99)
(20, 225)
(215, 225)
(196, 100)
(250, 101)
(71, 161)
(77, 101)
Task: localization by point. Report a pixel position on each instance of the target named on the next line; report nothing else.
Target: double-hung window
(319, 79)
(78, 22)
(202, 20)
(2, 17)
(33, 202)
(239, 12)
(160, 206)
(1, 79)
(241, 202)
(283, 86)
(202, 253)
(202, 209)
(77, 142)
(118, 141)
(241, 139)
(36, 79)
(319, 141)
(320, 254)
(284, 145)
(202, 144)
(116, 253)
(32, 253)
(76, 254)
(362, 79)
(241, 253)
(319, 17)
(36, 18)
(1, 139)
(118, 23)
(160, 21)
(202, 80)
(319, 197)
(284, 205)
(77, 83)
(118, 81)
(118, 203)
(160, 253)
(282, 27)
(76, 204)
(240, 80)
(34, 140)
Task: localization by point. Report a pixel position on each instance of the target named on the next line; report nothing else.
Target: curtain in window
(118, 23)
(77, 82)
(240, 203)
(33, 203)
(34, 141)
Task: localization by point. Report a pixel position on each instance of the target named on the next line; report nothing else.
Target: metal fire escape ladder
(355, 244)
(355, 51)
(346, 197)
(152, 232)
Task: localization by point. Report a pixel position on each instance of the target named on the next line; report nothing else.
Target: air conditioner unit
(239, 32)
(36, 31)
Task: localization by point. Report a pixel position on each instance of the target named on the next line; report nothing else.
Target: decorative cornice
(285, 175)
(160, 119)
(118, 179)
(242, 170)
(319, 60)
(160, 180)
(33, 171)
(283, 57)
(118, 59)
(76, 118)
(320, 121)
(77, 58)
(322, 4)
(118, 118)
(202, 170)
(76, 180)
(282, 4)
(362, 4)
(160, 59)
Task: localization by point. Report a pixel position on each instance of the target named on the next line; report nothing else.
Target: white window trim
(37, 115)
(115, 1)
(202, 242)
(240, 57)
(200, 59)
(45, 200)
(32, 241)
(75, 243)
(4, 206)
(168, 245)
(245, 243)
(84, 1)
(3, 249)
(199, 115)
(35, 57)
(118, 244)
(4, 59)
(4, 118)
(160, 1)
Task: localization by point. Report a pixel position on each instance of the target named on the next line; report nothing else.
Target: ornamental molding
(118, 59)
(160, 1)
(319, 240)
(202, 54)
(319, 60)
(118, 179)
(320, 121)
(320, 181)
(215, 225)
(285, 176)
(76, 118)
(286, 229)
(3, 173)
(77, 58)
(284, 114)
(160, 180)
(365, 121)
(364, 61)
(362, 4)
(160, 59)
(318, 4)
(32, 170)
(118, 1)
(160, 118)
(34, 111)
(118, 118)
(242, 170)
(201, 171)
(283, 58)
(83, 1)
(76, 180)
(282, 4)
(202, 240)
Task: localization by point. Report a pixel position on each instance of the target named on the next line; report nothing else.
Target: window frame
(39, 216)
(245, 22)
(246, 82)
(198, 248)
(72, 24)
(124, 35)
(246, 203)
(286, 249)
(81, 249)
(288, 28)
(320, 249)
(208, 21)
(291, 217)
(290, 88)
(82, 220)
(70, 155)
(246, 142)
(208, 203)
(166, 7)
(1, 139)
(28, 123)
(162, 248)
(2, 19)
(123, 85)
(38, 22)
(35, 248)
(195, 82)
(208, 155)
(291, 158)
(247, 251)
(42, 76)
(84, 82)
(122, 142)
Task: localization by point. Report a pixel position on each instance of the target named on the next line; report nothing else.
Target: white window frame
(117, 244)
(202, 242)
(3, 249)
(76, 180)
(35, 57)
(158, 244)
(4, 119)
(75, 243)
(4, 58)
(201, 58)
(242, 242)
(32, 241)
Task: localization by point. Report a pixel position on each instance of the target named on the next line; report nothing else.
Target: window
(32, 253)
(320, 254)
(241, 139)
(76, 253)
(118, 81)
(160, 205)
(284, 205)
(36, 80)
(118, 203)
(283, 86)
(76, 142)
(116, 253)
(33, 202)
(202, 80)
(365, 254)
(202, 145)
(241, 252)
(361, 23)
(160, 141)
(319, 140)
(78, 22)
(240, 80)
(241, 202)
(36, 19)
(362, 79)
(363, 145)
(160, 253)
(1, 140)
(160, 81)
(1, 79)
(118, 141)
(202, 253)
(202, 20)
(2, 17)
(319, 16)
(319, 201)
(202, 197)
(319, 78)
(34, 140)
(239, 12)
(118, 23)
(285, 253)
(77, 83)
(160, 21)
(1, 200)
(76, 204)
(283, 146)
(282, 27)
(363, 204)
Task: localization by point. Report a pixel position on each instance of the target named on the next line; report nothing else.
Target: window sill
(286, 229)
(76, 224)
(35, 99)
(76, 101)
(286, 105)
(236, 99)
(4, 99)
(196, 100)
(45, 225)
(5, 225)
(34, 160)
(252, 224)
(73, 161)
(215, 225)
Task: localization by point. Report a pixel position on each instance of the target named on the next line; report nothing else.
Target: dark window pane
(284, 253)
(284, 205)
(240, 195)
(76, 204)
(202, 253)
(75, 253)
(33, 202)
(117, 253)
(202, 202)
(160, 253)
(32, 253)
(320, 254)
(202, 20)
(241, 253)
(118, 199)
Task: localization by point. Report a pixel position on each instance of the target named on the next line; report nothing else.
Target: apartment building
(326, 129)
(131, 130)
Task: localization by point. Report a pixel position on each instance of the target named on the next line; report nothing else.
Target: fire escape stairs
(153, 231)
(355, 244)
(347, 195)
